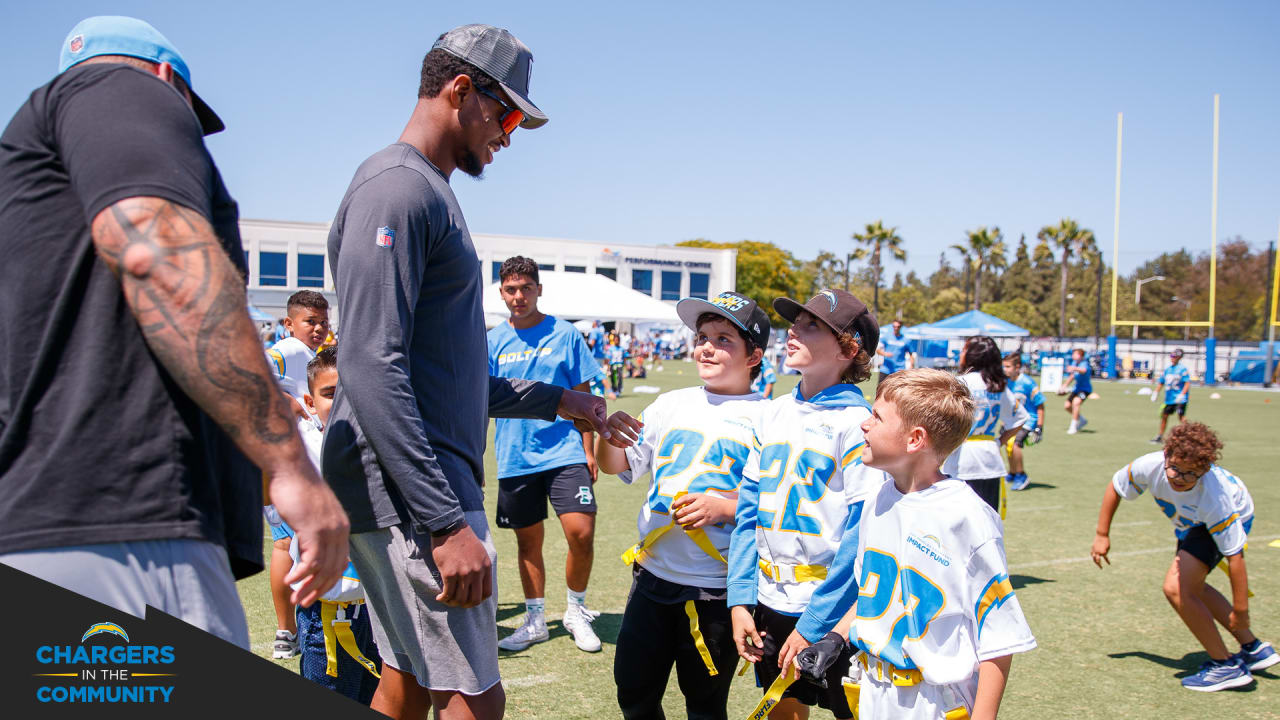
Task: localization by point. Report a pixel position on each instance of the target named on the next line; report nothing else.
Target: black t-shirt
(97, 442)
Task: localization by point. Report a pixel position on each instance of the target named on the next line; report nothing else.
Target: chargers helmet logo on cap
(831, 298)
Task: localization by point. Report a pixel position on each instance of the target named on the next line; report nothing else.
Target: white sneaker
(1073, 429)
(577, 620)
(285, 645)
(534, 630)
(1083, 421)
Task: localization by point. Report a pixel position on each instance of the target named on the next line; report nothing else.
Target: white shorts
(880, 698)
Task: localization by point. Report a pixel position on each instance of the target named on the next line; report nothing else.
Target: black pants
(988, 489)
(656, 635)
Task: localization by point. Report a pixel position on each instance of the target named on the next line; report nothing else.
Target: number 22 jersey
(934, 591)
(697, 442)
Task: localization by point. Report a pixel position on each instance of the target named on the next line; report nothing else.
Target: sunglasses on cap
(511, 117)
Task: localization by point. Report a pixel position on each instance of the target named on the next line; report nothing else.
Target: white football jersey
(1219, 501)
(288, 359)
(978, 457)
(804, 476)
(934, 591)
(693, 441)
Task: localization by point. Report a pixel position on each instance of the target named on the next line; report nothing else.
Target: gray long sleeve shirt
(405, 440)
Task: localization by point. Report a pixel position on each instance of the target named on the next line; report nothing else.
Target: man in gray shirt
(405, 443)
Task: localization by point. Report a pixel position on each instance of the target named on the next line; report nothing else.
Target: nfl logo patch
(386, 237)
(77, 43)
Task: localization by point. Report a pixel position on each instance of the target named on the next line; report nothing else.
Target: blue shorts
(353, 680)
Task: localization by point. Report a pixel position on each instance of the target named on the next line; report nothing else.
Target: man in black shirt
(132, 383)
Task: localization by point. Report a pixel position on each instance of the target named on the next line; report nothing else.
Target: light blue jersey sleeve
(744, 558)
(839, 591)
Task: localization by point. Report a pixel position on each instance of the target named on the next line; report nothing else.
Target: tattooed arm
(190, 303)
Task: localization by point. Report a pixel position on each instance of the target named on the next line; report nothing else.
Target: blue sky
(792, 123)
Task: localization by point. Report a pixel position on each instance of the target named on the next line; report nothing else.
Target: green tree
(1072, 240)
(1018, 278)
(764, 272)
(875, 240)
(984, 249)
(827, 270)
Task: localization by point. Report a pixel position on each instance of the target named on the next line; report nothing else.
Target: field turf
(1109, 644)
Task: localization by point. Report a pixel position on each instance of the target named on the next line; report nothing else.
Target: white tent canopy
(575, 296)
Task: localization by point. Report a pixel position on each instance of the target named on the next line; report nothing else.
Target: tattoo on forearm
(190, 304)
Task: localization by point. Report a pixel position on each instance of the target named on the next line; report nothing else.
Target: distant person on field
(1076, 385)
(336, 637)
(1027, 393)
(1176, 383)
(764, 381)
(544, 460)
(1212, 513)
(895, 348)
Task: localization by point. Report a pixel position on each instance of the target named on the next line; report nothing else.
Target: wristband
(449, 529)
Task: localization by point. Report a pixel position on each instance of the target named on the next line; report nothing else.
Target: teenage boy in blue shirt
(540, 460)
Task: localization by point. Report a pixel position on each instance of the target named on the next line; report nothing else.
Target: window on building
(497, 268)
(670, 284)
(611, 273)
(273, 268)
(310, 270)
(642, 281)
(575, 268)
(698, 283)
(246, 267)
(547, 266)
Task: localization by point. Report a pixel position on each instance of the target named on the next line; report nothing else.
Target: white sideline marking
(1039, 508)
(1125, 553)
(1132, 524)
(530, 680)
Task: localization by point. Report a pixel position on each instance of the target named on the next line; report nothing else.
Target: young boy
(695, 443)
(334, 632)
(308, 321)
(1212, 513)
(936, 622)
(1076, 374)
(1175, 381)
(792, 551)
(1028, 395)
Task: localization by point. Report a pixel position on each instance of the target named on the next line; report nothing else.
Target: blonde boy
(935, 622)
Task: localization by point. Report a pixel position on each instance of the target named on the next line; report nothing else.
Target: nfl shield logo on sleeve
(386, 237)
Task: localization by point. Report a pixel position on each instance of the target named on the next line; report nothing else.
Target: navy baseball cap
(737, 309)
(120, 35)
(502, 57)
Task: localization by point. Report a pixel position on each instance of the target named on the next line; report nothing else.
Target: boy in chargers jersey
(1175, 381)
(792, 552)
(1027, 393)
(695, 443)
(308, 321)
(936, 621)
(1212, 513)
(334, 632)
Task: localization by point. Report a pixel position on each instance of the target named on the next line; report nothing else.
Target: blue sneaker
(1019, 481)
(1258, 655)
(1214, 676)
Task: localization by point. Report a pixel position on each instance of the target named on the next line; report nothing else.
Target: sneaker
(1262, 655)
(1083, 421)
(1073, 429)
(534, 630)
(1020, 481)
(1157, 440)
(1214, 676)
(577, 620)
(285, 645)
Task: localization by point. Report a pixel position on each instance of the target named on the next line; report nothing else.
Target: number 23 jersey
(696, 442)
(934, 590)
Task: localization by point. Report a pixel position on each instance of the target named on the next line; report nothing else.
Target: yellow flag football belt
(337, 631)
(905, 678)
(793, 573)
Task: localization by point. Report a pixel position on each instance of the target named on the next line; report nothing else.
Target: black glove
(1039, 434)
(815, 660)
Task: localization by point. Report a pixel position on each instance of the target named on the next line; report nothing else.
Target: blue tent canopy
(257, 315)
(973, 322)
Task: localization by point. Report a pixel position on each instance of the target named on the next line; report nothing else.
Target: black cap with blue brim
(738, 309)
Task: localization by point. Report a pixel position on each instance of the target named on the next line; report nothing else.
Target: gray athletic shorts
(446, 648)
(188, 579)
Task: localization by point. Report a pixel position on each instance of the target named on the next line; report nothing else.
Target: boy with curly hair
(1212, 514)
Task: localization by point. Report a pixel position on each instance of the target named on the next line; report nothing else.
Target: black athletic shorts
(1078, 394)
(988, 489)
(776, 628)
(1169, 409)
(522, 500)
(1199, 543)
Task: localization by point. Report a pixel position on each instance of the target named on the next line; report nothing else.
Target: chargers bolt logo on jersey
(386, 237)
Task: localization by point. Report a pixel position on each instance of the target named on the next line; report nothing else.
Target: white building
(284, 257)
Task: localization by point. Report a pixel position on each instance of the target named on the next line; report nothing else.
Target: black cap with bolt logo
(737, 309)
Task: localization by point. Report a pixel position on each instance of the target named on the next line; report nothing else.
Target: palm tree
(985, 250)
(875, 240)
(1071, 239)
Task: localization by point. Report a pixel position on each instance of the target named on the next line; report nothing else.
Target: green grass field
(1109, 644)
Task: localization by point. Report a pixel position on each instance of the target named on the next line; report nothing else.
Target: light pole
(1137, 296)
